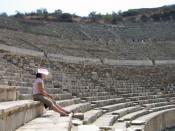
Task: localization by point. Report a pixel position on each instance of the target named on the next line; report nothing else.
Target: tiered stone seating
(76, 88)
(14, 113)
(119, 115)
(49, 121)
(7, 93)
(120, 119)
(154, 121)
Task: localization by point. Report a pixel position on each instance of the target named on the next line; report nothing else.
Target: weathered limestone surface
(7, 93)
(50, 121)
(14, 114)
(156, 120)
(122, 90)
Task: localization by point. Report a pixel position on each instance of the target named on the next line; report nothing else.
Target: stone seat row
(109, 106)
(18, 78)
(79, 87)
(26, 110)
(117, 116)
(21, 82)
(16, 83)
(118, 119)
(13, 113)
(50, 121)
(28, 90)
(159, 120)
(60, 96)
(92, 94)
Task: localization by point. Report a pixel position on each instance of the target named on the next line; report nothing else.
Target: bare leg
(59, 107)
(58, 110)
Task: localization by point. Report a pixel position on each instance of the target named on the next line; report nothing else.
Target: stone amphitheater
(122, 77)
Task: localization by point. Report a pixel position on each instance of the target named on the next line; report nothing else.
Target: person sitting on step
(40, 94)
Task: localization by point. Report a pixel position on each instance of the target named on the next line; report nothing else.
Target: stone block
(79, 116)
(16, 113)
(7, 93)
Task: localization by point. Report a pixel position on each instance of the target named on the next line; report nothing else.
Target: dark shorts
(45, 100)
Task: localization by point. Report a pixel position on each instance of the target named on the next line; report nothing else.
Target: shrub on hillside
(3, 14)
(65, 17)
(19, 15)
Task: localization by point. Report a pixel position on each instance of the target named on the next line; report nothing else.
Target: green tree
(107, 17)
(41, 11)
(93, 16)
(19, 14)
(4, 14)
(57, 13)
(66, 17)
(115, 18)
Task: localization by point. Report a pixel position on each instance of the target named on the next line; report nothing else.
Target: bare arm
(42, 91)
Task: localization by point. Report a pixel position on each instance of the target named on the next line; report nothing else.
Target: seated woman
(39, 94)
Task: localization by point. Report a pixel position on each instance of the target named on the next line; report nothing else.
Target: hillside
(151, 40)
(165, 13)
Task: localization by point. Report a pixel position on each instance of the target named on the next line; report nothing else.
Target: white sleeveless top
(35, 85)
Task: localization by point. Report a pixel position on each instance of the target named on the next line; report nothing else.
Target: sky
(79, 7)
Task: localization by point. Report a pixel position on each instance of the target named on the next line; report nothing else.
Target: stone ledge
(13, 114)
(91, 116)
(156, 120)
(49, 121)
(11, 107)
(7, 93)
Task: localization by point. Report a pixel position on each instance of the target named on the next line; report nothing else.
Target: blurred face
(43, 76)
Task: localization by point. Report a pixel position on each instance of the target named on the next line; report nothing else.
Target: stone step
(147, 117)
(24, 90)
(68, 102)
(87, 94)
(136, 128)
(26, 97)
(50, 121)
(138, 94)
(81, 107)
(138, 98)
(18, 78)
(133, 115)
(28, 90)
(92, 115)
(86, 128)
(95, 98)
(171, 99)
(82, 90)
(15, 113)
(12, 72)
(7, 93)
(55, 96)
(120, 126)
(2, 72)
(151, 101)
(152, 105)
(105, 120)
(100, 103)
(74, 128)
(62, 96)
(124, 111)
(130, 91)
(130, 88)
(162, 108)
(170, 95)
(18, 83)
(113, 107)
(53, 90)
